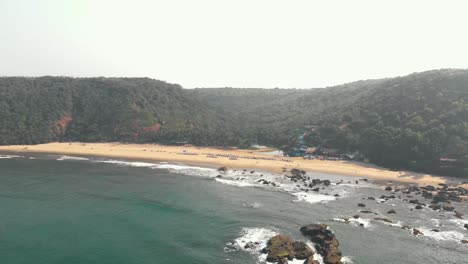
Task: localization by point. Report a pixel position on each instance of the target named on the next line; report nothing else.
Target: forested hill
(38, 110)
(405, 122)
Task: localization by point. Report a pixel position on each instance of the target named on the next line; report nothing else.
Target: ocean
(60, 209)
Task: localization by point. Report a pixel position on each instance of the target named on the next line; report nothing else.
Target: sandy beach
(213, 157)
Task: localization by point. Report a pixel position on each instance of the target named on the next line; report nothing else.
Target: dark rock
(448, 207)
(356, 216)
(383, 219)
(435, 207)
(302, 250)
(219, 176)
(466, 226)
(224, 169)
(464, 241)
(435, 230)
(418, 207)
(414, 201)
(326, 182)
(388, 188)
(417, 232)
(279, 247)
(337, 195)
(249, 245)
(370, 198)
(405, 227)
(361, 205)
(325, 241)
(366, 212)
(391, 211)
(311, 260)
(429, 188)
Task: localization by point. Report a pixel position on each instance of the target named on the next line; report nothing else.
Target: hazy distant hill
(408, 122)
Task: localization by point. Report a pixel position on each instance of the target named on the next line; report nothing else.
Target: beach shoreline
(214, 158)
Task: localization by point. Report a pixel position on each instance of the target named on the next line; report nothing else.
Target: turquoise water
(83, 212)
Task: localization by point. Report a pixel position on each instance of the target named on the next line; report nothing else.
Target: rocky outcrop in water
(223, 169)
(281, 248)
(325, 241)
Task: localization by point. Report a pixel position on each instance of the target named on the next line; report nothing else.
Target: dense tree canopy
(405, 122)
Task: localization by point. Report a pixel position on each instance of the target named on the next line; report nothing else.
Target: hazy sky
(238, 43)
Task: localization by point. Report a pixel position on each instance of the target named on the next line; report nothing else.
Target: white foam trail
(181, 169)
(243, 178)
(365, 222)
(442, 235)
(128, 163)
(71, 158)
(251, 205)
(257, 238)
(347, 260)
(313, 197)
(10, 156)
(460, 222)
(234, 183)
(355, 222)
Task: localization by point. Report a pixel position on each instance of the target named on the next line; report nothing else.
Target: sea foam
(71, 158)
(257, 238)
(243, 178)
(451, 235)
(313, 197)
(10, 156)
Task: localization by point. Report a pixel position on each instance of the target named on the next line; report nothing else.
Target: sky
(238, 43)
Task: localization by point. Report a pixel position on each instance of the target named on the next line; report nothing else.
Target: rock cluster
(443, 194)
(325, 242)
(281, 248)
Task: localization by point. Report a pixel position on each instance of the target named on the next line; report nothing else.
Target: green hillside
(406, 122)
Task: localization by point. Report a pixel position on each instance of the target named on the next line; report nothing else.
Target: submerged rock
(448, 207)
(391, 211)
(459, 215)
(383, 219)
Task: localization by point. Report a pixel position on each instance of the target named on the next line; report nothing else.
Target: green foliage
(405, 122)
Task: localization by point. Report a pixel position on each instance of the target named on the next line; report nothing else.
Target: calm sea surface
(84, 211)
